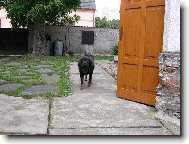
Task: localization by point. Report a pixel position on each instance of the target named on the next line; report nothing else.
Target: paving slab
(110, 131)
(102, 82)
(13, 64)
(100, 111)
(29, 80)
(171, 123)
(24, 66)
(22, 70)
(44, 66)
(21, 116)
(40, 89)
(2, 59)
(45, 62)
(96, 110)
(44, 70)
(21, 77)
(10, 87)
(50, 78)
(7, 72)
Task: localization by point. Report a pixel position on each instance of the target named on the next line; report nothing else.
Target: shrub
(105, 23)
(115, 49)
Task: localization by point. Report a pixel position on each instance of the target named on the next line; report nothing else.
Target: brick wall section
(168, 91)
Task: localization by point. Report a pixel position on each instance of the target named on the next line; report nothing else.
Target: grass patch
(58, 65)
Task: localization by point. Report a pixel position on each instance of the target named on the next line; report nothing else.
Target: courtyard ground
(40, 109)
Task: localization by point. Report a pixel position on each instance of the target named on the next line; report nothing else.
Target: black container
(58, 48)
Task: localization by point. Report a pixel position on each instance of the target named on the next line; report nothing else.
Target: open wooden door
(141, 41)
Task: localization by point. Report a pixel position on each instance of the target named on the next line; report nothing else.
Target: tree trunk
(39, 41)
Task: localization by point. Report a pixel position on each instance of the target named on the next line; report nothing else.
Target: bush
(105, 23)
(115, 49)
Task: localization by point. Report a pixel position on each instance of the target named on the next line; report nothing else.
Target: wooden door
(141, 41)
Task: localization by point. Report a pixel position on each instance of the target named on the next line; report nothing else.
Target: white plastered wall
(171, 38)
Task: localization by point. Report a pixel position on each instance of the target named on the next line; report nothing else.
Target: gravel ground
(109, 67)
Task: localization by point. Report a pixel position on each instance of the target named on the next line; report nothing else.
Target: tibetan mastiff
(86, 67)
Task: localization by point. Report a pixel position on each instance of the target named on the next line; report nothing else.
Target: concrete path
(97, 111)
(94, 110)
(22, 116)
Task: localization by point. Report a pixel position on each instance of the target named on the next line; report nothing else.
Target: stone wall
(39, 42)
(58, 33)
(104, 39)
(168, 91)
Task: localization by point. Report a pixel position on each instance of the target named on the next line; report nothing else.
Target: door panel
(154, 33)
(130, 82)
(132, 29)
(142, 23)
(149, 82)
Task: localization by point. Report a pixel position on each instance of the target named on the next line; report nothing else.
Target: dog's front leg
(82, 77)
(86, 77)
(90, 80)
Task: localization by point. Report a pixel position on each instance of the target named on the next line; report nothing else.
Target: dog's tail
(89, 50)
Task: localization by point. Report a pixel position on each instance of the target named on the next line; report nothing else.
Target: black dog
(86, 66)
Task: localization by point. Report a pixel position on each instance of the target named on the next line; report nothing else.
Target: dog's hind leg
(90, 80)
(86, 77)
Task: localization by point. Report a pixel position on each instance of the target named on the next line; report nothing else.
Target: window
(88, 37)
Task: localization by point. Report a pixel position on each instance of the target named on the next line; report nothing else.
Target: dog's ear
(91, 63)
(80, 62)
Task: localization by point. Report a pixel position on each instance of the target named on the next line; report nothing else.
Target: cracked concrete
(22, 116)
(94, 110)
(111, 131)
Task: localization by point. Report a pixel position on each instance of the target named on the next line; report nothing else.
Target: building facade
(86, 12)
(4, 22)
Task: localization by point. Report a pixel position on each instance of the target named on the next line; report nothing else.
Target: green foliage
(105, 23)
(24, 13)
(115, 49)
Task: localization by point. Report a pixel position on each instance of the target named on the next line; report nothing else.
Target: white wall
(87, 17)
(5, 23)
(171, 40)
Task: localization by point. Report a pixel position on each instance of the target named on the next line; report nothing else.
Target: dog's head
(85, 66)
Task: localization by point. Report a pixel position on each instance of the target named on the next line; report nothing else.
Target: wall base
(168, 91)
